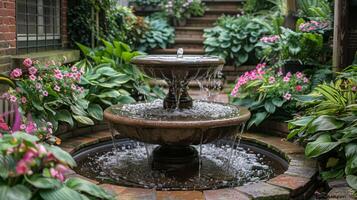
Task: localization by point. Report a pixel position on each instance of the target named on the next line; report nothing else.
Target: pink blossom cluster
(249, 76)
(312, 26)
(33, 158)
(270, 39)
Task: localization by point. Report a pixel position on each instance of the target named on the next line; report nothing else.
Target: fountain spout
(180, 53)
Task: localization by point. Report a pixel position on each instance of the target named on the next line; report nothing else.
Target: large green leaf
(88, 187)
(352, 181)
(278, 102)
(269, 107)
(321, 145)
(107, 71)
(25, 136)
(243, 57)
(43, 182)
(95, 111)
(109, 94)
(17, 192)
(64, 116)
(63, 193)
(83, 120)
(325, 123)
(351, 150)
(61, 155)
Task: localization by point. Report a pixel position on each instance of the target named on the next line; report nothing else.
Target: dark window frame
(45, 33)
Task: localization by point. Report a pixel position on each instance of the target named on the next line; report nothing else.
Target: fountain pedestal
(176, 159)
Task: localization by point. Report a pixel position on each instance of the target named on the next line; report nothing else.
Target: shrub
(179, 10)
(51, 92)
(159, 34)
(292, 46)
(110, 78)
(153, 3)
(329, 127)
(265, 92)
(234, 38)
(31, 170)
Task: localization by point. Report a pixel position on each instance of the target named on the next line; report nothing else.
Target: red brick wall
(64, 34)
(7, 33)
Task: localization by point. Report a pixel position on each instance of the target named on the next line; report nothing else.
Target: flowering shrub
(51, 92)
(264, 91)
(183, 9)
(291, 46)
(314, 27)
(31, 170)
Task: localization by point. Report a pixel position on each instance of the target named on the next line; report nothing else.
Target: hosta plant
(51, 92)
(159, 34)
(329, 127)
(31, 170)
(234, 38)
(265, 91)
(109, 78)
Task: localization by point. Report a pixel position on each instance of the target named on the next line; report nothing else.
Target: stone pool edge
(298, 182)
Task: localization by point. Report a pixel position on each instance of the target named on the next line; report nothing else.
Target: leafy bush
(234, 38)
(291, 45)
(315, 9)
(265, 92)
(159, 35)
(329, 126)
(110, 78)
(253, 6)
(153, 3)
(31, 170)
(51, 92)
(180, 10)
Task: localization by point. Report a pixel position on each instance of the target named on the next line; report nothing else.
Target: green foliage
(234, 38)
(159, 35)
(110, 78)
(36, 171)
(145, 3)
(179, 10)
(254, 6)
(51, 92)
(329, 126)
(291, 45)
(266, 92)
(319, 9)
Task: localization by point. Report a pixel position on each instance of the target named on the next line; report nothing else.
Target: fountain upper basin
(175, 131)
(172, 66)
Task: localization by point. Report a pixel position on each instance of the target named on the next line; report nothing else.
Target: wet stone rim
(298, 182)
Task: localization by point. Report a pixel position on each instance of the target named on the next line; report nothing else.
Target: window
(37, 25)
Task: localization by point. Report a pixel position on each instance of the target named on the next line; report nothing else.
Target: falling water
(200, 157)
(235, 143)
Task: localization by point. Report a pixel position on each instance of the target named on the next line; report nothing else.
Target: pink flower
(16, 73)
(38, 86)
(271, 80)
(74, 69)
(305, 80)
(23, 100)
(280, 73)
(45, 93)
(32, 77)
(299, 75)
(57, 88)
(31, 127)
(32, 70)
(59, 76)
(5, 95)
(41, 149)
(57, 71)
(27, 62)
(354, 88)
(286, 79)
(13, 98)
(288, 74)
(298, 88)
(21, 167)
(73, 87)
(23, 126)
(287, 96)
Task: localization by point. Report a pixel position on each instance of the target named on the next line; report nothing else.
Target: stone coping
(63, 56)
(297, 182)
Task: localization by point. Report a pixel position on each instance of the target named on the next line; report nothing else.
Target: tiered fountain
(178, 127)
(175, 125)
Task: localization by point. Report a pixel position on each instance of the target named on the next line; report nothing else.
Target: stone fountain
(177, 122)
